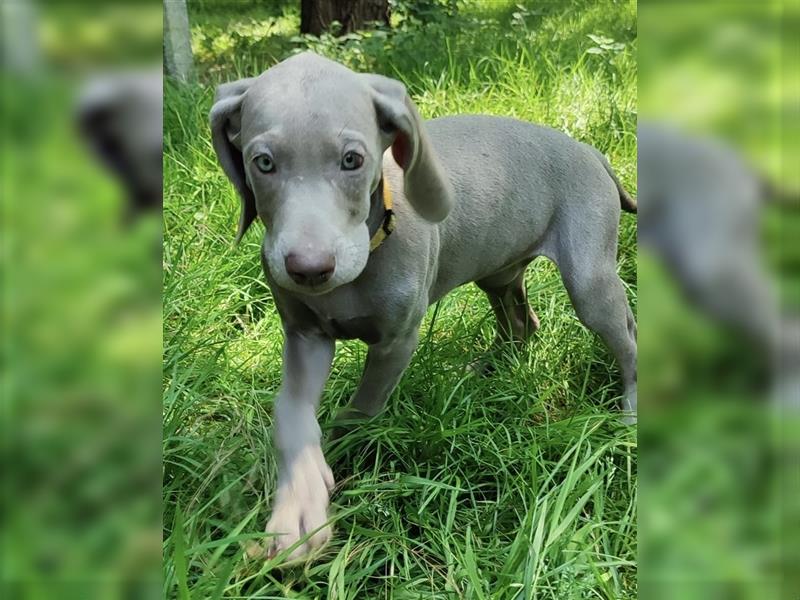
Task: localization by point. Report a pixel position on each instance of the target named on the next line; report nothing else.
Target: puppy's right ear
(226, 130)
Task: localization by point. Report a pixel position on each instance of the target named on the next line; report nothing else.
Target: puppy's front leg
(304, 478)
(385, 364)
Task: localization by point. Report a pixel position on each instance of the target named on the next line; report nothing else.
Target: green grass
(522, 485)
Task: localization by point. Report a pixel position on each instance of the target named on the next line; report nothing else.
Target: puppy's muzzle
(310, 269)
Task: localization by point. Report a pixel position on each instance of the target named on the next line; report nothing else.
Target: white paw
(300, 506)
(480, 367)
(629, 407)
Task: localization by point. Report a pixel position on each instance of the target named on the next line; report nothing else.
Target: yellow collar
(387, 223)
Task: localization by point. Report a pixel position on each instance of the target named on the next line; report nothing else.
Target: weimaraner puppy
(372, 215)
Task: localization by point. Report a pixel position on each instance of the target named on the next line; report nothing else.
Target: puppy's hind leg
(516, 321)
(508, 297)
(598, 296)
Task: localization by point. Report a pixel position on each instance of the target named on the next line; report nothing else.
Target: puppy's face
(311, 153)
(303, 145)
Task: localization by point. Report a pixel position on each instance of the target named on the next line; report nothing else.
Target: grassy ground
(518, 486)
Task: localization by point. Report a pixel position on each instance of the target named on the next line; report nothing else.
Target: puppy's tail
(626, 201)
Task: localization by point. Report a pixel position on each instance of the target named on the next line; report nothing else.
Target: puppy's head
(120, 117)
(303, 145)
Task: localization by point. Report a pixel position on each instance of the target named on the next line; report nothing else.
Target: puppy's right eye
(264, 163)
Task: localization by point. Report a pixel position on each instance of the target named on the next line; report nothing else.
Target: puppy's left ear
(426, 184)
(226, 130)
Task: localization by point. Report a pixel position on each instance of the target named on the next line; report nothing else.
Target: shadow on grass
(466, 44)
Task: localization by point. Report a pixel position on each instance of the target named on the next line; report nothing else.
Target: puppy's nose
(310, 269)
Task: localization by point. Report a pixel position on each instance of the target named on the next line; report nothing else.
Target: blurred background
(81, 316)
(718, 307)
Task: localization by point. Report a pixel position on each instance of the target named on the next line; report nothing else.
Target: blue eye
(352, 161)
(264, 163)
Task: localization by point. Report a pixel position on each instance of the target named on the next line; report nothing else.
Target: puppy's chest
(361, 328)
(348, 323)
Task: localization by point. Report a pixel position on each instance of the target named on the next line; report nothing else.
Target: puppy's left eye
(352, 160)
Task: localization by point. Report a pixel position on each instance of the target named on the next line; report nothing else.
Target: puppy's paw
(348, 418)
(351, 413)
(629, 404)
(301, 505)
(481, 367)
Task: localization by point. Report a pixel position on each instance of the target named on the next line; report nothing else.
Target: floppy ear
(226, 129)
(426, 184)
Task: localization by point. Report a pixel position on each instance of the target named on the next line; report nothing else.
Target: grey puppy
(700, 215)
(315, 151)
